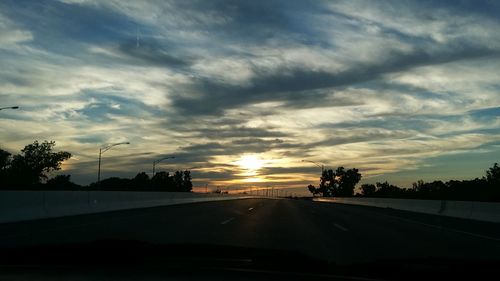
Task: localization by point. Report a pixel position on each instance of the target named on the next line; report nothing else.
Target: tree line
(486, 188)
(342, 183)
(31, 169)
(180, 181)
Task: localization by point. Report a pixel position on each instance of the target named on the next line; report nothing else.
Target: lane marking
(340, 227)
(250, 209)
(227, 221)
(445, 228)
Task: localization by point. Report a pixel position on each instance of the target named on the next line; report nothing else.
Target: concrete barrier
(22, 204)
(28, 205)
(64, 202)
(483, 211)
(487, 211)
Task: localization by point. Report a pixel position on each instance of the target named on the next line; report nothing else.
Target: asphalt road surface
(336, 232)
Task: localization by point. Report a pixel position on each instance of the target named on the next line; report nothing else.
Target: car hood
(126, 255)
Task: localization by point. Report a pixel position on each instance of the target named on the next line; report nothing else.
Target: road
(340, 233)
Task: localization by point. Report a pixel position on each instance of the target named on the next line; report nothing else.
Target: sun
(250, 162)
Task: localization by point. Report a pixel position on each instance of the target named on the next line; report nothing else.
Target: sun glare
(250, 162)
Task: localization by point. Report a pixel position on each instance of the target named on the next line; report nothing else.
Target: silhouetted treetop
(493, 175)
(5, 158)
(32, 165)
(180, 181)
(479, 189)
(340, 182)
(368, 189)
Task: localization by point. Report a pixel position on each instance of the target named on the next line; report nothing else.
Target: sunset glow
(249, 95)
(250, 162)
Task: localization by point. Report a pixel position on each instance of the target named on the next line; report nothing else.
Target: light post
(317, 164)
(101, 151)
(193, 168)
(9, 107)
(188, 169)
(158, 161)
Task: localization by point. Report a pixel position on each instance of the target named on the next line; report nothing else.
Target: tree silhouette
(113, 183)
(5, 160)
(187, 184)
(180, 181)
(32, 167)
(479, 189)
(493, 175)
(313, 190)
(346, 181)
(141, 180)
(340, 182)
(368, 189)
(385, 189)
(161, 180)
(61, 182)
(33, 164)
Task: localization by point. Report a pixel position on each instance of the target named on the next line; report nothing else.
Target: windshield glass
(345, 131)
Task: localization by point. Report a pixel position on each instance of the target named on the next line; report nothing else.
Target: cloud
(299, 85)
(384, 87)
(10, 35)
(150, 54)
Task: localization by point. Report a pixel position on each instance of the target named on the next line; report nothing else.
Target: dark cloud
(255, 21)
(392, 122)
(107, 103)
(238, 131)
(491, 112)
(296, 86)
(61, 28)
(305, 169)
(218, 175)
(219, 127)
(96, 139)
(203, 152)
(401, 126)
(149, 52)
(338, 137)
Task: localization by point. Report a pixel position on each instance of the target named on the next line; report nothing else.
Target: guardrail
(483, 211)
(28, 205)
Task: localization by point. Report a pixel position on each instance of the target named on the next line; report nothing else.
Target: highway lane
(340, 233)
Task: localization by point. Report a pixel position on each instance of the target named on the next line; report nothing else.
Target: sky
(246, 90)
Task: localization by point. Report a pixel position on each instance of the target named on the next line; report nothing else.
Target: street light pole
(101, 151)
(317, 164)
(193, 168)
(158, 161)
(99, 168)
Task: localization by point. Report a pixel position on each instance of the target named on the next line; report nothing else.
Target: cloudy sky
(402, 90)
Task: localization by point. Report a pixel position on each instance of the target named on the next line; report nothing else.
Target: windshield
(345, 131)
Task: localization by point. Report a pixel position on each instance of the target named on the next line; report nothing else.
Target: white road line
(227, 221)
(445, 228)
(340, 227)
(249, 209)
